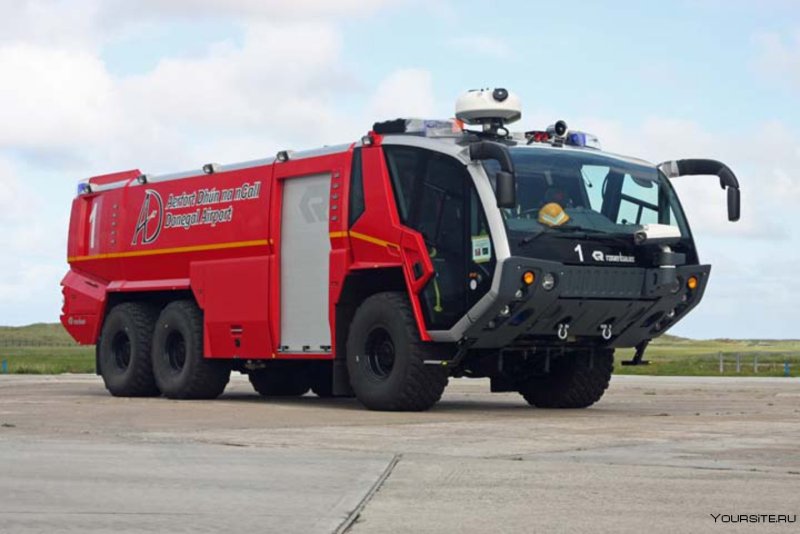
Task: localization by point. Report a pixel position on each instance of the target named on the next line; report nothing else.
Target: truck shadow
(507, 406)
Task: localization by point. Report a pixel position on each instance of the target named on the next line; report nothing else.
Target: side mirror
(506, 181)
(727, 180)
(734, 204)
(506, 190)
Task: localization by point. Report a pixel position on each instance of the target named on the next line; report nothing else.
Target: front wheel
(577, 379)
(180, 369)
(386, 358)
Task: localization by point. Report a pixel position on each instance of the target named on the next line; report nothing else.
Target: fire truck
(426, 250)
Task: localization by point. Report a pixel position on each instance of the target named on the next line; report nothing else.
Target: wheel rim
(380, 353)
(176, 351)
(121, 350)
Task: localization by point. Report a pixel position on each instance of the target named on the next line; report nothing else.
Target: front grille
(601, 282)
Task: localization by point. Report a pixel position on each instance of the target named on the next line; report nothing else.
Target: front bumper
(632, 304)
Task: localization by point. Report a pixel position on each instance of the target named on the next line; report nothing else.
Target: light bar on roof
(583, 139)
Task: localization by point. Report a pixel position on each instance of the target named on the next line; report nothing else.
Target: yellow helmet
(552, 214)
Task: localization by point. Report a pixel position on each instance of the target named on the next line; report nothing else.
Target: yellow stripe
(176, 250)
(373, 240)
(364, 237)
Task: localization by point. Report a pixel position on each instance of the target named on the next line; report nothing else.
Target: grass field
(43, 349)
(47, 349)
(675, 356)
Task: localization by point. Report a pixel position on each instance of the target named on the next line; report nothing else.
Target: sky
(89, 87)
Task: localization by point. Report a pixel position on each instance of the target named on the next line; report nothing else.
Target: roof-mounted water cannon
(664, 236)
(491, 108)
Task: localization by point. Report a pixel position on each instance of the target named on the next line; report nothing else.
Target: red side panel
(84, 306)
(234, 296)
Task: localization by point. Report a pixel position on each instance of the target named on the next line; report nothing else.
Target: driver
(557, 195)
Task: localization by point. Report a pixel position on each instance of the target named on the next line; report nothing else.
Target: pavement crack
(353, 516)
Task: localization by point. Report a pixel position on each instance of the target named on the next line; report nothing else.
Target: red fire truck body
(220, 239)
(382, 267)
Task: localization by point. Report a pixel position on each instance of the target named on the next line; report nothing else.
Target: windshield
(598, 193)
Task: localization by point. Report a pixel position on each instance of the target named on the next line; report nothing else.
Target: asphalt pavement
(657, 454)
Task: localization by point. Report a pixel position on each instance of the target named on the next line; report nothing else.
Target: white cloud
(53, 98)
(404, 93)
(283, 86)
(63, 23)
(778, 58)
(280, 74)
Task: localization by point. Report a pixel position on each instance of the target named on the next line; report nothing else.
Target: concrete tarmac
(656, 454)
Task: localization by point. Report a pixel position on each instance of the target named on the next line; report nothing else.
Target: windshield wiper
(577, 232)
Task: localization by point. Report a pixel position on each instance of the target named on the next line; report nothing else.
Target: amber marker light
(528, 278)
(691, 283)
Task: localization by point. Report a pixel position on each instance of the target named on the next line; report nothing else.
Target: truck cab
(546, 253)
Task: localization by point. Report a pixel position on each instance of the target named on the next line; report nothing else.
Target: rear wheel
(124, 350)
(179, 367)
(385, 357)
(281, 379)
(577, 379)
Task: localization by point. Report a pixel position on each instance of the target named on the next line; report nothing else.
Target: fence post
(721, 364)
(755, 364)
(738, 362)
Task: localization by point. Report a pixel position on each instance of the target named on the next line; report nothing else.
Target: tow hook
(606, 331)
(563, 331)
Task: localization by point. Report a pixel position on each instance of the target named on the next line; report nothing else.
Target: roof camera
(500, 94)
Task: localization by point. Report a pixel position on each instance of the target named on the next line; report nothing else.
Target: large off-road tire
(124, 350)
(281, 379)
(180, 369)
(576, 380)
(385, 357)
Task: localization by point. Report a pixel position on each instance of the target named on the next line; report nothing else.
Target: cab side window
(356, 188)
(405, 163)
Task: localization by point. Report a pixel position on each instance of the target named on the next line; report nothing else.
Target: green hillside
(43, 349)
(47, 348)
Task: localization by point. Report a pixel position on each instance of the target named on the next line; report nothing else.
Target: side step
(637, 357)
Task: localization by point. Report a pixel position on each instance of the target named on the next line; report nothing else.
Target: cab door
(436, 198)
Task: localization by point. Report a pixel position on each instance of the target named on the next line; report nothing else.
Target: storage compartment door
(304, 263)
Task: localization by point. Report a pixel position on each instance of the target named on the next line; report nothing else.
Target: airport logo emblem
(150, 221)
